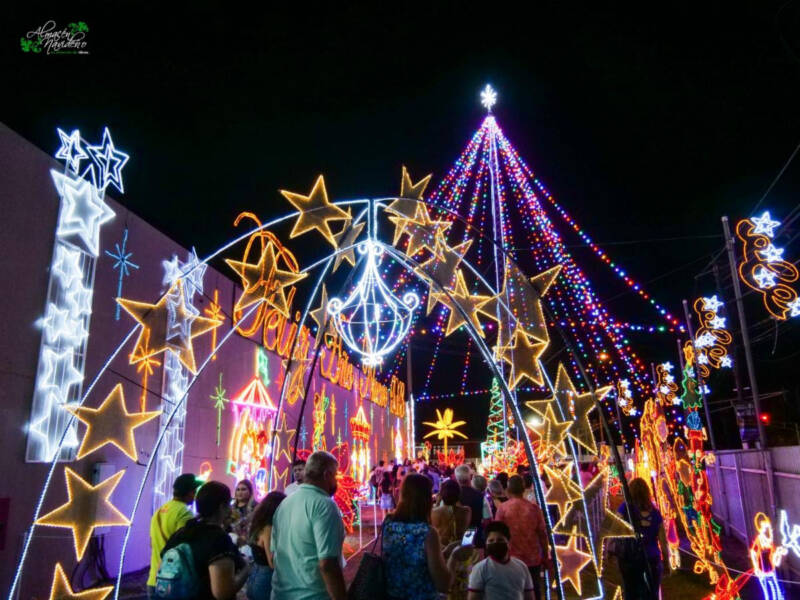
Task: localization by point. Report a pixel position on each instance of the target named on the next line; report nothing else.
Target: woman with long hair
(416, 568)
(451, 518)
(635, 560)
(244, 503)
(385, 487)
(259, 584)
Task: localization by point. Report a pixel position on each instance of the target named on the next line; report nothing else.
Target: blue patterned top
(406, 563)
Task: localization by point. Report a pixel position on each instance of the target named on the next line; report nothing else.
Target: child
(500, 575)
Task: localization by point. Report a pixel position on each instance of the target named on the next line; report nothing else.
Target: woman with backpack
(636, 560)
(200, 561)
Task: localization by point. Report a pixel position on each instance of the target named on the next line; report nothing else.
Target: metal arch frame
(407, 262)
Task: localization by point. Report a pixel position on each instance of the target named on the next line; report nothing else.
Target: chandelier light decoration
(372, 321)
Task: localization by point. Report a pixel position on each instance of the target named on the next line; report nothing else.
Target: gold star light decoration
(523, 356)
(155, 320)
(573, 522)
(571, 562)
(563, 490)
(110, 423)
(346, 242)
(463, 305)
(322, 318)
(405, 205)
(264, 281)
(61, 589)
(422, 231)
(284, 440)
(87, 507)
(316, 211)
(442, 268)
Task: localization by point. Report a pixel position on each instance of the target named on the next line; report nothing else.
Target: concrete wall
(29, 212)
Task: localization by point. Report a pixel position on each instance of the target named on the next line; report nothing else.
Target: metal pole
(748, 354)
(700, 384)
(680, 355)
(410, 412)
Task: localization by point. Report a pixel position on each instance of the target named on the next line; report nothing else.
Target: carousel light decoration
(444, 427)
(372, 321)
(249, 448)
(360, 430)
(763, 269)
(65, 324)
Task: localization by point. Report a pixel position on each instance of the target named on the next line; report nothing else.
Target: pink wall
(29, 212)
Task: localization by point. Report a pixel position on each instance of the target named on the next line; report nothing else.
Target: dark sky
(644, 124)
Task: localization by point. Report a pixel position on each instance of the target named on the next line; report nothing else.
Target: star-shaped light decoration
(321, 317)
(488, 97)
(717, 323)
(61, 589)
(83, 211)
(552, 432)
(60, 372)
(726, 362)
(711, 303)
(346, 243)
(71, 150)
(563, 491)
(611, 524)
(154, 319)
(109, 161)
(794, 307)
(422, 231)
(265, 281)
(523, 356)
(460, 300)
(571, 562)
(707, 339)
(316, 211)
(405, 206)
(523, 299)
(67, 266)
(283, 440)
(764, 224)
(191, 272)
(579, 406)
(442, 267)
(771, 254)
(59, 324)
(88, 506)
(111, 423)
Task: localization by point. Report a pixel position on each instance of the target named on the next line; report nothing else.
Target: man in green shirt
(167, 520)
(307, 537)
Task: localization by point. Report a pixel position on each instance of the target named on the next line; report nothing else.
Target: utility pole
(700, 383)
(748, 354)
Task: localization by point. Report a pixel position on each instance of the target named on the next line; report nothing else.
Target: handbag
(370, 580)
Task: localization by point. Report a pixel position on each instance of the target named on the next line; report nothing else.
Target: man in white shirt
(500, 575)
(298, 468)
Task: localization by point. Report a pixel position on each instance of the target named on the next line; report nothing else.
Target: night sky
(644, 125)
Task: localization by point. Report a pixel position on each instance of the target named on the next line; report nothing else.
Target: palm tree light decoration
(444, 427)
(372, 321)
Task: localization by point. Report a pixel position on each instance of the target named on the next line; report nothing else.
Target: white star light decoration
(794, 307)
(68, 307)
(488, 97)
(717, 323)
(82, 212)
(765, 225)
(70, 149)
(764, 278)
(667, 366)
(711, 304)
(771, 254)
(109, 161)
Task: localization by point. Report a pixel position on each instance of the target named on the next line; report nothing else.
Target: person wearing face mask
(307, 537)
(500, 575)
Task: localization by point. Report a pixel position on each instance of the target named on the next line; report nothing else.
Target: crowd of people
(446, 533)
